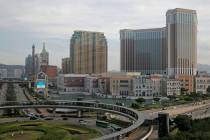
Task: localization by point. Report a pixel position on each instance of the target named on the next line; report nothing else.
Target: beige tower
(88, 52)
(181, 27)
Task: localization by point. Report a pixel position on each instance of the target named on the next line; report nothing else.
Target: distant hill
(204, 67)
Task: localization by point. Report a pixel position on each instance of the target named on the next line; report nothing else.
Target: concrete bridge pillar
(79, 113)
(29, 85)
(117, 138)
(54, 112)
(163, 124)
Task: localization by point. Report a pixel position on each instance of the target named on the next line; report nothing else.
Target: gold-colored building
(88, 52)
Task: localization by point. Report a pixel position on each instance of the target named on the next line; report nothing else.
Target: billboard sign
(40, 84)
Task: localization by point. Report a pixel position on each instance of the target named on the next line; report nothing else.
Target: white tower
(44, 56)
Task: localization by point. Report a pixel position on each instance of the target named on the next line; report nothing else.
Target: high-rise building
(44, 57)
(88, 52)
(144, 51)
(181, 27)
(170, 50)
(66, 65)
(28, 66)
(37, 63)
(33, 62)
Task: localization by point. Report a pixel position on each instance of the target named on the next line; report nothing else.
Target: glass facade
(144, 51)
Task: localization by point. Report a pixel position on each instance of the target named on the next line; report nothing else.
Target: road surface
(21, 96)
(176, 110)
(19, 93)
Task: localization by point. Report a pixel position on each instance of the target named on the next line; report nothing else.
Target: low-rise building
(52, 72)
(91, 84)
(121, 86)
(71, 82)
(104, 85)
(147, 86)
(187, 82)
(156, 79)
(202, 82)
(173, 87)
(3, 73)
(142, 86)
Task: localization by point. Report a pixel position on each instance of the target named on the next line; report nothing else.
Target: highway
(138, 133)
(200, 114)
(19, 93)
(134, 115)
(176, 110)
(21, 96)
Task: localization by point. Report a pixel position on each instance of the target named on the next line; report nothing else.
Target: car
(120, 104)
(37, 115)
(65, 118)
(33, 118)
(48, 118)
(80, 120)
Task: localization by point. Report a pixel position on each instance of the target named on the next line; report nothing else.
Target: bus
(116, 127)
(102, 124)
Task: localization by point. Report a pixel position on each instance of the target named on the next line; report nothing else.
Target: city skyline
(54, 24)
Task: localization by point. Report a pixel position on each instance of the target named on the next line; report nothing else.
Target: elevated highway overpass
(173, 111)
(136, 117)
(15, 81)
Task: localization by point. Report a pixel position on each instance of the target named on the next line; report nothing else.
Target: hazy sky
(24, 22)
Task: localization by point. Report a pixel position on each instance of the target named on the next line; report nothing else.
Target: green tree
(187, 98)
(183, 122)
(156, 99)
(172, 97)
(184, 91)
(134, 105)
(140, 100)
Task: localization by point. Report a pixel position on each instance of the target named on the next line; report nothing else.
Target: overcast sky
(27, 22)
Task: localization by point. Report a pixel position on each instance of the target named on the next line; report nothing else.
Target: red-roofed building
(51, 72)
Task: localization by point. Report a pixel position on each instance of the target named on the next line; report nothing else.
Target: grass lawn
(42, 130)
(151, 106)
(26, 135)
